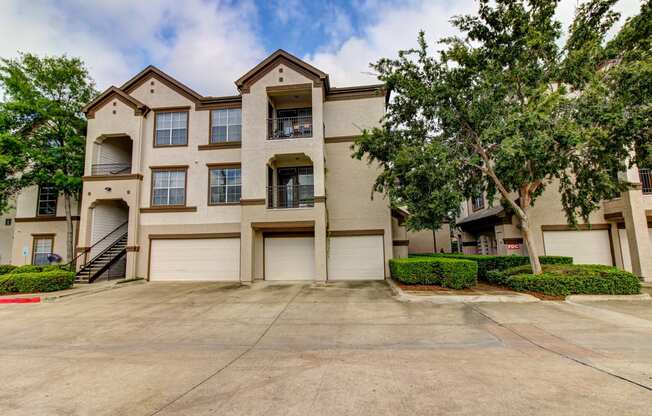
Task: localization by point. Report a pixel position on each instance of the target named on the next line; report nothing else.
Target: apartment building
(260, 185)
(619, 234)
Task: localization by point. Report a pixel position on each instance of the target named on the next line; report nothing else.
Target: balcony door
(295, 187)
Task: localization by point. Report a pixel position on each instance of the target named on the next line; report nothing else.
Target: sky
(208, 44)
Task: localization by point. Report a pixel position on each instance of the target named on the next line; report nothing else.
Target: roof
(481, 216)
(280, 56)
(113, 91)
(243, 83)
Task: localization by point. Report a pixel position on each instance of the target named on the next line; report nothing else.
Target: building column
(246, 252)
(321, 244)
(131, 268)
(637, 233)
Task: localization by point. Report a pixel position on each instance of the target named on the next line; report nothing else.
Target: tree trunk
(532, 250)
(69, 242)
(434, 241)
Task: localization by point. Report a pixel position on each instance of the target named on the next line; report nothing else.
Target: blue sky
(207, 44)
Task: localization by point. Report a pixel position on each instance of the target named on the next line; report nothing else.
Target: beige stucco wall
(422, 242)
(23, 237)
(6, 236)
(27, 199)
(351, 117)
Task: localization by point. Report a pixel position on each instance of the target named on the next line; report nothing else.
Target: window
(7, 221)
(42, 248)
(478, 203)
(224, 185)
(47, 201)
(226, 125)
(171, 129)
(169, 187)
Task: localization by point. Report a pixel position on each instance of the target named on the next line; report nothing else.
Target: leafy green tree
(43, 125)
(500, 104)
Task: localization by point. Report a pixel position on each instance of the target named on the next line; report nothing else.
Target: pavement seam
(566, 356)
(230, 363)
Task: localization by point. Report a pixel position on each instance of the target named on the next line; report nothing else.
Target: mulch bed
(482, 288)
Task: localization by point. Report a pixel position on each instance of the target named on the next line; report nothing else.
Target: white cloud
(395, 26)
(206, 45)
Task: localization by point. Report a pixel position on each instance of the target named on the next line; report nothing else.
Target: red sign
(515, 246)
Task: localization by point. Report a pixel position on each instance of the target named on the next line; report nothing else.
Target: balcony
(111, 169)
(646, 180)
(291, 196)
(289, 127)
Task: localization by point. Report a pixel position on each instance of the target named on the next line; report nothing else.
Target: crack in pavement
(561, 354)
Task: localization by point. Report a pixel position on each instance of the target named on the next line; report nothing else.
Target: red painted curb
(20, 300)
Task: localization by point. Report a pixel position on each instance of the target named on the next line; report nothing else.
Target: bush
(29, 282)
(27, 268)
(488, 263)
(6, 268)
(564, 279)
(451, 273)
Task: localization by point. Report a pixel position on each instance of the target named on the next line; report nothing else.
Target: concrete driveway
(343, 349)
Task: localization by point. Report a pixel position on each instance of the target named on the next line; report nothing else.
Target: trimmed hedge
(562, 280)
(487, 263)
(48, 281)
(450, 273)
(6, 268)
(32, 268)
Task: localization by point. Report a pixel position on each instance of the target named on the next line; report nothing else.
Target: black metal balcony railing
(289, 127)
(290, 196)
(111, 169)
(646, 180)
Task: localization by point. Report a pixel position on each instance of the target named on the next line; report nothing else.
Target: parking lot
(302, 349)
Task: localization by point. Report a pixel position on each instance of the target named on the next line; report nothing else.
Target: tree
(500, 106)
(43, 124)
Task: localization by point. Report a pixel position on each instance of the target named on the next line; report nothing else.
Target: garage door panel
(356, 258)
(215, 259)
(289, 258)
(586, 247)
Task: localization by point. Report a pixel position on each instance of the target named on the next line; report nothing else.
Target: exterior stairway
(93, 269)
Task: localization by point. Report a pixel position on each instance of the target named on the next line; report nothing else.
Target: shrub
(27, 268)
(564, 279)
(488, 263)
(6, 268)
(451, 273)
(36, 281)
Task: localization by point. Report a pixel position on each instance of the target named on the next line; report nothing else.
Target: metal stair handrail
(74, 261)
(101, 253)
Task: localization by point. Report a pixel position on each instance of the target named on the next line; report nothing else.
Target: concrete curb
(78, 290)
(597, 298)
(403, 296)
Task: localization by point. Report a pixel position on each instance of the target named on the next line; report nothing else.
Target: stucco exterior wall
(351, 117)
(24, 238)
(422, 241)
(6, 236)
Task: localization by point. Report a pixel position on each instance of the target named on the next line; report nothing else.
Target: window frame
(213, 166)
(156, 169)
(210, 125)
(159, 111)
(479, 207)
(35, 239)
(38, 201)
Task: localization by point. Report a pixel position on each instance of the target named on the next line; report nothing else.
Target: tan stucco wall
(26, 204)
(23, 238)
(6, 236)
(350, 117)
(421, 241)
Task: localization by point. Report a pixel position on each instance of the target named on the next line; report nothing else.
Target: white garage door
(208, 259)
(586, 247)
(289, 258)
(356, 258)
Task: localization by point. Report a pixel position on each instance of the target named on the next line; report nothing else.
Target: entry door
(290, 258)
